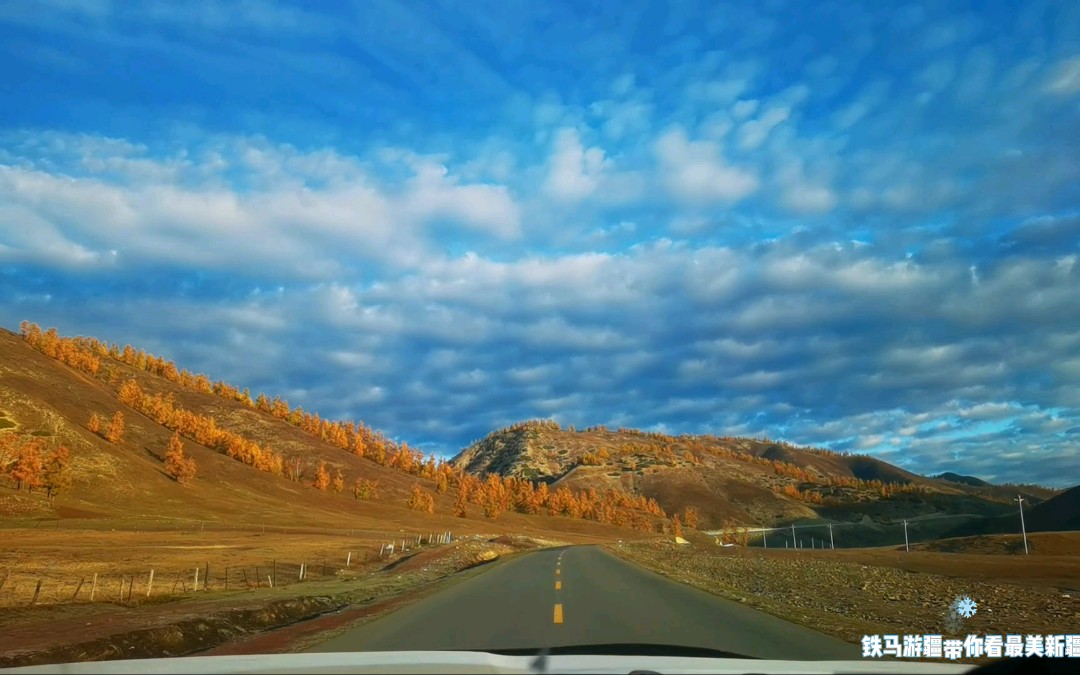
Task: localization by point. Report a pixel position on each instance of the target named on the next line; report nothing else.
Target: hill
(727, 481)
(1056, 514)
(258, 461)
(957, 478)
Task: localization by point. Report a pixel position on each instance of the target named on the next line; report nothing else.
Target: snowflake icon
(966, 607)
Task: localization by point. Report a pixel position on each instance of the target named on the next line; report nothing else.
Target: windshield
(736, 330)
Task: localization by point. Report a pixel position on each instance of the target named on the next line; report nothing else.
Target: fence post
(206, 578)
(78, 588)
(226, 577)
(36, 591)
(149, 584)
(93, 587)
(270, 580)
(273, 565)
(348, 560)
(195, 583)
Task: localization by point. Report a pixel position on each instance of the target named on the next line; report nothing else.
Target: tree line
(494, 494)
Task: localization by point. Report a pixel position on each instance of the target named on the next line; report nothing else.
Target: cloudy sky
(815, 221)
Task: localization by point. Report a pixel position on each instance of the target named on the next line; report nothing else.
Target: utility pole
(794, 541)
(765, 538)
(906, 546)
(832, 544)
(1023, 530)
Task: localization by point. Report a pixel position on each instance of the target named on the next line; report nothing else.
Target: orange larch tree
(691, 517)
(322, 477)
(338, 484)
(28, 470)
(95, 423)
(56, 477)
(178, 465)
(114, 433)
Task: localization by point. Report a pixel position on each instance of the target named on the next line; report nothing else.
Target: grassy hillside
(258, 461)
(735, 481)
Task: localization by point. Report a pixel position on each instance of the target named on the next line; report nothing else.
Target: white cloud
(753, 133)
(695, 171)
(574, 171)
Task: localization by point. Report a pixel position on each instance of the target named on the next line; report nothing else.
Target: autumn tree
(338, 484)
(56, 477)
(322, 477)
(676, 526)
(442, 483)
(461, 503)
(28, 469)
(365, 489)
(115, 431)
(421, 500)
(178, 465)
(130, 393)
(95, 423)
(691, 517)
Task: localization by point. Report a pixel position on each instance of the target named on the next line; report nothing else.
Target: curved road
(583, 595)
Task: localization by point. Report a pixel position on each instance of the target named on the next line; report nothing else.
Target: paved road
(583, 595)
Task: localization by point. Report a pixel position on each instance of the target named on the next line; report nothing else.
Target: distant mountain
(957, 478)
(735, 480)
(1057, 513)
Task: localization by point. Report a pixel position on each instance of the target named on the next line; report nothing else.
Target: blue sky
(824, 222)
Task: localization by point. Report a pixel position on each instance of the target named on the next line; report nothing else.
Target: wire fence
(182, 526)
(904, 533)
(20, 588)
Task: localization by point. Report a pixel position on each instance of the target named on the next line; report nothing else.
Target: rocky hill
(735, 481)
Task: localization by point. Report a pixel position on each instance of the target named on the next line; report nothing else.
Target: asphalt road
(583, 595)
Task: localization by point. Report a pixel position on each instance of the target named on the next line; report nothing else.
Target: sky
(828, 223)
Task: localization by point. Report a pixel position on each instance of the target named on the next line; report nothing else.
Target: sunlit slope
(258, 462)
(730, 480)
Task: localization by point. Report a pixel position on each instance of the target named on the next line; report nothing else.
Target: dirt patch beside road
(68, 633)
(848, 599)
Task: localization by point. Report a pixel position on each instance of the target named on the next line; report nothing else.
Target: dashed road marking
(558, 613)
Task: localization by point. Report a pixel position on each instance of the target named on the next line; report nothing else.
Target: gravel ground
(849, 599)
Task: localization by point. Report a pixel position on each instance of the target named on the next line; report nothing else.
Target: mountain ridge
(728, 481)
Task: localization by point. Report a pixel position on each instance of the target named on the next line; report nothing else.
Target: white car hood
(480, 662)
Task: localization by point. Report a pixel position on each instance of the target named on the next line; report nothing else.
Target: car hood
(480, 662)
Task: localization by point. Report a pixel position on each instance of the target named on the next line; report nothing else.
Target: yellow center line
(557, 571)
(558, 585)
(558, 613)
